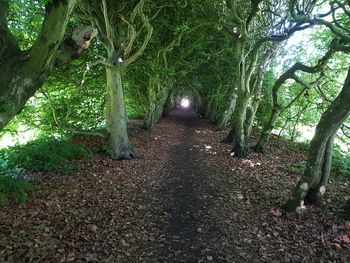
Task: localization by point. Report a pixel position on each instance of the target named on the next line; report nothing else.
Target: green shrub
(12, 185)
(341, 162)
(44, 155)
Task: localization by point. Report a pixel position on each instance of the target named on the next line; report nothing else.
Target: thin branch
(60, 126)
(132, 35)
(149, 28)
(342, 6)
(316, 20)
(109, 32)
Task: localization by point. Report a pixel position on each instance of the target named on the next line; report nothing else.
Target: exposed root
(240, 151)
(259, 149)
(124, 155)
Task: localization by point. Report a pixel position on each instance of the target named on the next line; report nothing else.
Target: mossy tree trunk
(312, 185)
(158, 95)
(226, 116)
(170, 103)
(116, 115)
(240, 140)
(23, 72)
(213, 110)
(118, 35)
(246, 25)
(257, 88)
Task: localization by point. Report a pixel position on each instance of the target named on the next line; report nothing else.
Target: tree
(278, 108)
(312, 185)
(257, 27)
(23, 72)
(118, 35)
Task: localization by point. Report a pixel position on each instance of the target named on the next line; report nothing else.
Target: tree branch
(149, 28)
(64, 128)
(8, 43)
(52, 32)
(108, 26)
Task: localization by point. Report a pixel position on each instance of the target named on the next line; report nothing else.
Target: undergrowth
(13, 187)
(340, 164)
(40, 155)
(45, 155)
(340, 171)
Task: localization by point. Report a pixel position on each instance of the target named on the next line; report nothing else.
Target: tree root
(124, 155)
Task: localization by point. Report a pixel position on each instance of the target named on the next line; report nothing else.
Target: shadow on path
(185, 188)
(182, 174)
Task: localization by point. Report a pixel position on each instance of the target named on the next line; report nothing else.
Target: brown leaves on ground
(185, 200)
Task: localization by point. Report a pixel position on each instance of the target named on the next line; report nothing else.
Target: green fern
(44, 155)
(13, 187)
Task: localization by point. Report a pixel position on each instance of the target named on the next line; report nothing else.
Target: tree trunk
(312, 185)
(120, 147)
(227, 114)
(23, 73)
(315, 196)
(257, 90)
(169, 104)
(149, 118)
(207, 107)
(241, 142)
(157, 100)
(250, 116)
(230, 136)
(267, 130)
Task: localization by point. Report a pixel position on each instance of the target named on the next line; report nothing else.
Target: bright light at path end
(185, 103)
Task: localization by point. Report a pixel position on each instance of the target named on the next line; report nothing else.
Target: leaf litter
(177, 203)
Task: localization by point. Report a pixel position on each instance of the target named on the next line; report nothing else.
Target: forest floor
(184, 200)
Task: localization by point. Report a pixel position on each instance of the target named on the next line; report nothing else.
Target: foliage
(13, 187)
(45, 155)
(265, 105)
(340, 163)
(24, 20)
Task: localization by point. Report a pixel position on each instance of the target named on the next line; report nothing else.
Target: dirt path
(186, 194)
(185, 200)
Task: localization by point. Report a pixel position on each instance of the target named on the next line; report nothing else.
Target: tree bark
(312, 185)
(227, 114)
(257, 89)
(23, 73)
(169, 104)
(267, 130)
(120, 147)
(157, 99)
(240, 141)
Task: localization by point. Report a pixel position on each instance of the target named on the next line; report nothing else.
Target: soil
(185, 200)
